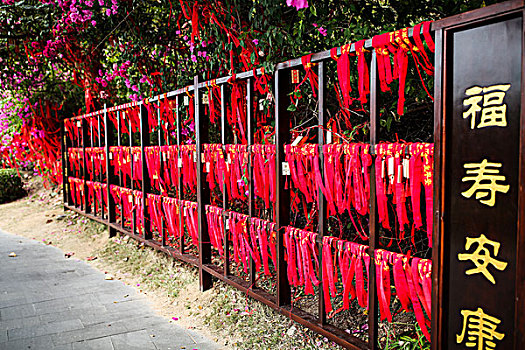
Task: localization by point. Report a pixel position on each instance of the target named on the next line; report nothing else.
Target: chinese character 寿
(485, 181)
(481, 257)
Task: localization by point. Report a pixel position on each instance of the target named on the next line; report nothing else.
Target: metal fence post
(203, 190)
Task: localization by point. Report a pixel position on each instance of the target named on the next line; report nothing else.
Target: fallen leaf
(12, 255)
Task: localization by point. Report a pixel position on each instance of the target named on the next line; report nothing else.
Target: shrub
(11, 187)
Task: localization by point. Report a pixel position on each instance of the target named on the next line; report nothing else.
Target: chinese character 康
(481, 330)
(493, 111)
(485, 179)
(481, 257)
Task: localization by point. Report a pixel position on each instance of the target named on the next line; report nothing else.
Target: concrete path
(50, 302)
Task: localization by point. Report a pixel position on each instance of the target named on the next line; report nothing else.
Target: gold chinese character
(494, 111)
(481, 330)
(481, 257)
(484, 181)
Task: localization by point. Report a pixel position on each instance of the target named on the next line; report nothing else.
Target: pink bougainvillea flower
(255, 41)
(298, 4)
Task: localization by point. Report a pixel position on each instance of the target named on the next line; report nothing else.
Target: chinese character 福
(481, 330)
(493, 111)
(481, 257)
(485, 181)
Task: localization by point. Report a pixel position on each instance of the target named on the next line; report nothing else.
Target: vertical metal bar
(86, 207)
(282, 197)
(119, 144)
(65, 190)
(146, 183)
(179, 184)
(322, 200)
(437, 252)
(109, 171)
(203, 190)
(374, 223)
(160, 143)
(250, 123)
(68, 143)
(224, 141)
(133, 215)
(100, 178)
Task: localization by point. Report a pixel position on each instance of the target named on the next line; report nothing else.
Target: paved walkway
(49, 302)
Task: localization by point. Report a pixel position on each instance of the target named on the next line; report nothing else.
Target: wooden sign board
(481, 128)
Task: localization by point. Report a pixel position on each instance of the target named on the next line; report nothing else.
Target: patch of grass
(153, 269)
(257, 325)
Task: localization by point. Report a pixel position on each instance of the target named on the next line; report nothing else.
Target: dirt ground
(40, 216)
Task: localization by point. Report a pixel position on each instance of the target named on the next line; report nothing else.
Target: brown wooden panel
(481, 182)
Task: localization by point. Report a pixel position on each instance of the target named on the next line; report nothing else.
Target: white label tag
(101, 157)
(261, 105)
(186, 101)
(202, 158)
(207, 167)
(328, 137)
(194, 157)
(110, 156)
(130, 198)
(163, 156)
(179, 164)
(227, 224)
(205, 99)
(286, 168)
(296, 141)
(390, 166)
(406, 168)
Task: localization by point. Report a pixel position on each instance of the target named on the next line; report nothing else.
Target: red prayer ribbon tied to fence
(401, 170)
(76, 159)
(120, 158)
(97, 194)
(93, 127)
(300, 247)
(189, 211)
(242, 248)
(130, 201)
(171, 213)
(170, 170)
(398, 44)
(263, 160)
(237, 171)
(215, 165)
(264, 241)
(214, 216)
(76, 186)
(411, 277)
(347, 180)
(95, 161)
(153, 163)
(189, 167)
(304, 169)
(72, 127)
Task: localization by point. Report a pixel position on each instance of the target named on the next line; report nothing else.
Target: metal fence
(335, 234)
